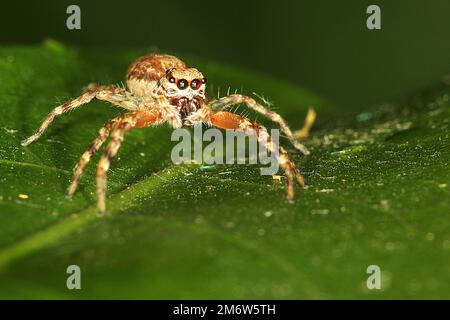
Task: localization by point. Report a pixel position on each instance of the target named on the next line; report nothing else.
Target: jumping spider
(163, 89)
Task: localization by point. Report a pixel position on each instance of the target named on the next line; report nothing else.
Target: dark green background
(321, 45)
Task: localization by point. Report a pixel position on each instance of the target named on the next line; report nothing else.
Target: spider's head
(187, 84)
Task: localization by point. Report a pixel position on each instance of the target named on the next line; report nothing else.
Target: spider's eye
(182, 84)
(169, 75)
(195, 84)
(204, 80)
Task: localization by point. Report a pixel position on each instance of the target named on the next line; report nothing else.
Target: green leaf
(378, 194)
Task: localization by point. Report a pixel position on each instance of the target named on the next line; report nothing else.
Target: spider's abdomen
(145, 71)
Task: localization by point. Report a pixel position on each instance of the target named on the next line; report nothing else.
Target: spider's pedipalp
(113, 94)
(234, 99)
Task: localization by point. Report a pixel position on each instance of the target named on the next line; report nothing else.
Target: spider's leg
(303, 132)
(87, 155)
(116, 139)
(113, 94)
(116, 95)
(228, 120)
(233, 99)
(136, 119)
(83, 99)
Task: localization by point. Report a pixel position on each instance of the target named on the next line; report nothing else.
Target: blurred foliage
(379, 189)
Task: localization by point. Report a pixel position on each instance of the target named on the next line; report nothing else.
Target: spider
(161, 88)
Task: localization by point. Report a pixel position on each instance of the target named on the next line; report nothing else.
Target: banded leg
(122, 124)
(87, 155)
(233, 99)
(228, 120)
(113, 94)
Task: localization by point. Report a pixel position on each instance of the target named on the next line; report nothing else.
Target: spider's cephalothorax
(161, 88)
(167, 79)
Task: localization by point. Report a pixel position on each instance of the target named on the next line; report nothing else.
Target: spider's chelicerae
(163, 89)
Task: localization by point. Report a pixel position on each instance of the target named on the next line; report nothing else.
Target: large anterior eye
(195, 84)
(182, 84)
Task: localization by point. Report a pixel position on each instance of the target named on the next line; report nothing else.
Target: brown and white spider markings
(163, 89)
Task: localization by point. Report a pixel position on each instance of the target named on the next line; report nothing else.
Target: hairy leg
(113, 94)
(87, 155)
(116, 95)
(124, 123)
(233, 99)
(228, 120)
